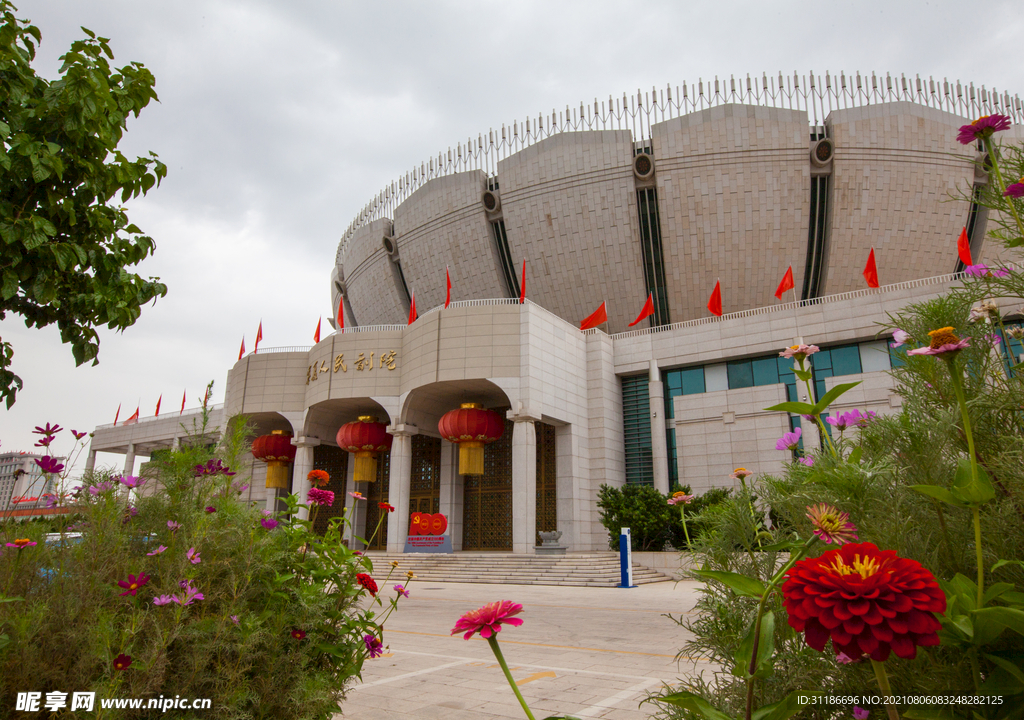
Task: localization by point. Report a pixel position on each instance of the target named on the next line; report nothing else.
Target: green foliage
(68, 618)
(651, 520)
(66, 238)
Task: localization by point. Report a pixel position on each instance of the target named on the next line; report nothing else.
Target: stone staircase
(596, 569)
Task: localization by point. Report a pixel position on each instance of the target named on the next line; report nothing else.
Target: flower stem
(493, 642)
(682, 516)
(993, 157)
(883, 685)
(821, 426)
(962, 401)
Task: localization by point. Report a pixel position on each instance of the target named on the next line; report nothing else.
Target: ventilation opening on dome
(400, 284)
(650, 247)
(508, 267)
(974, 238)
(817, 238)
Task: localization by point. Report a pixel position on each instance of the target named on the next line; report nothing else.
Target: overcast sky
(278, 121)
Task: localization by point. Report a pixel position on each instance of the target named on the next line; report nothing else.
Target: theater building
(658, 194)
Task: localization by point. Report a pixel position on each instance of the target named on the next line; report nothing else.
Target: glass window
(846, 360)
(766, 371)
(741, 375)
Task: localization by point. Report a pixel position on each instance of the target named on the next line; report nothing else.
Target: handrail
(815, 94)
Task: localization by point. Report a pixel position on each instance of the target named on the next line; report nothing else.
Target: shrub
(651, 520)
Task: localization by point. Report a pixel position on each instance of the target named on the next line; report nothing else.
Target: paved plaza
(588, 652)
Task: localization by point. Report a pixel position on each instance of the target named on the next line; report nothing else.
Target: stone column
(129, 459)
(303, 464)
(355, 509)
(524, 482)
(90, 461)
(659, 444)
(451, 493)
(272, 499)
(400, 481)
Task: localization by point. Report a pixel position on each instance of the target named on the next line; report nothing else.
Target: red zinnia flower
(488, 619)
(983, 128)
(319, 478)
(298, 634)
(866, 600)
(367, 582)
(385, 506)
(122, 661)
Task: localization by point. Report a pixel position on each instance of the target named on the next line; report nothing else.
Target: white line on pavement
(618, 697)
(384, 681)
(646, 678)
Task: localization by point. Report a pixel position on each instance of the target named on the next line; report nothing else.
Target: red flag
(596, 318)
(133, 419)
(341, 314)
(522, 285)
(786, 284)
(206, 397)
(118, 413)
(448, 282)
(158, 401)
(871, 270)
(963, 248)
(715, 302)
(316, 335)
(241, 350)
(412, 310)
(182, 402)
(259, 336)
(647, 311)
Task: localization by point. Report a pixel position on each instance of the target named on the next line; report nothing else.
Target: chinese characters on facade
(384, 361)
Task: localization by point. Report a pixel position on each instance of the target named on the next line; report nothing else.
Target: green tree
(65, 238)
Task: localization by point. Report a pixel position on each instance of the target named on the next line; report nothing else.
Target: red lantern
(365, 439)
(277, 451)
(471, 427)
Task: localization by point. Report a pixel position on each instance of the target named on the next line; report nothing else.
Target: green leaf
(739, 584)
(1008, 617)
(692, 702)
(854, 458)
(797, 408)
(10, 286)
(1013, 669)
(995, 590)
(929, 712)
(765, 649)
(5, 640)
(829, 397)
(785, 708)
(804, 375)
(1000, 563)
(938, 493)
(969, 490)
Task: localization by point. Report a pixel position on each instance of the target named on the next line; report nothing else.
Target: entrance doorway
(547, 497)
(487, 498)
(425, 483)
(333, 461)
(377, 492)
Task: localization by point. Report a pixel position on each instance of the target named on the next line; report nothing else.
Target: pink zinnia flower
(983, 128)
(488, 619)
(789, 441)
(400, 589)
(157, 551)
(943, 341)
(899, 338)
(1016, 190)
(193, 556)
(133, 583)
(317, 496)
(374, 647)
(831, 525)
(680, 497)
(357, 495)
(740, 474)
(20, 543)
(799, 351)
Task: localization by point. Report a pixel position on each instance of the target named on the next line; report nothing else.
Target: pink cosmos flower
(806, 460)
(982, 271)
(317, 496)
(239, 487)
(488, 619)
(192, 556)
(789, 441)
(78, 435)
(212, 467)
(48, 430)
(210, 509)
(400, 589)
(131, 481)
(831, 525)
(994, 340)
(374, 647)
(101, 487)
(846, 419)
(844, 659)
(799, 351)
(163, 599)
(860, 713)
(190, 595)
(234, 619)
(943, 341)
(983, 128)
(159, 550)
(173, 526)
(268, 522)
(133, 583)
(49, 465)
(45, 442)
(899, 337)
(1016, 190)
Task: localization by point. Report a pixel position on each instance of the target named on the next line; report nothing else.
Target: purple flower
(899, 337)
(982, 271)
(239, 487)
(212, 467)
(193, 556)
(994, 339)
(190, 595)
(400, 589)
(943, 341)
(102, 487)
(982, 128)
(789, 441)
(45, 442)
(806, 460)
(234, 619)
(130, 511)
(860, 713)
(1016, 190)
(133, 583)
(317, 496)
(846, 419)
(157, 551)
(211, 509)
(844, 659)
(268, 522)
(48, 430)
(51, 501)
(78, 435)
(374, 647)
(163, 599)
(131, 481)
(173, 526)
(49, 465)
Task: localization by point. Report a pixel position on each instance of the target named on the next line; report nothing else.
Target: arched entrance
(487, 498)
